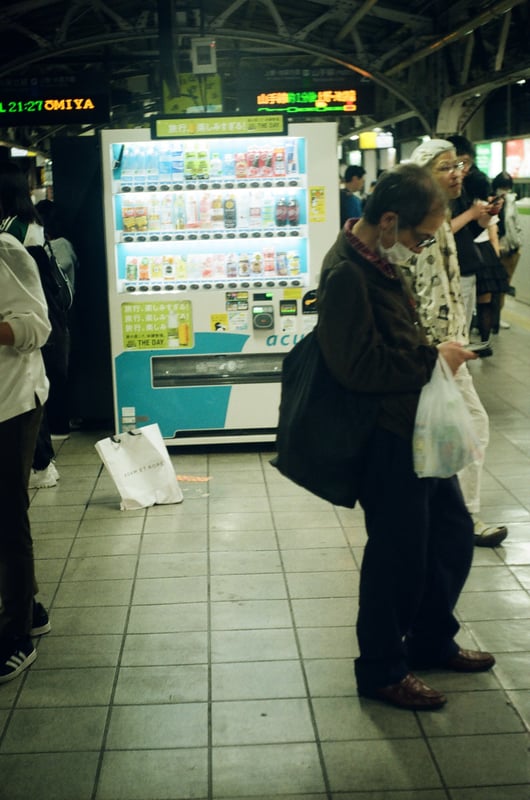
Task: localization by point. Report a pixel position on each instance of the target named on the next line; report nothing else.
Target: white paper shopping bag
(139, 465)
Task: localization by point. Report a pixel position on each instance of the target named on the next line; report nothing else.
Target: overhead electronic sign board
(53, 101)
(306, 92)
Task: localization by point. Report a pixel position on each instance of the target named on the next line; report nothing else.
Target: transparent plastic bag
(444, 440)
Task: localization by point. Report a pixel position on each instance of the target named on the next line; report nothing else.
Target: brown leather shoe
(470, 661)
(410, 693)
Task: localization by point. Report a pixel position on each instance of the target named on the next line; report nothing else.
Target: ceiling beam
(459, 33)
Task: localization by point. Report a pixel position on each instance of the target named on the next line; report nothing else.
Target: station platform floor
(204, 650)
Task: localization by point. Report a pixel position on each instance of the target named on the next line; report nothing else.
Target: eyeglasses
(458, 167)
(427, 242)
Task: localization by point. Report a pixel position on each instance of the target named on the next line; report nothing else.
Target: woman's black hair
(502, 181)
(462, 145)
(409, 191)
(15, 196)
(47, 211)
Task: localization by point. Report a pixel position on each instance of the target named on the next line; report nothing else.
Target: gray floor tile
(497, 759)
(250, 722)
(242, 540)
(142, 649)
(494, 605)
(330, 677)
(96, 620)
(324, 612)
(50, 730)
(97, 567)
(508, 792)
(323, 584)
(380, 764)
(273, 769)
(231, 563)
(167, 684)
(168, 618)
(100, 650)
(106, 546)
(473, 713)
(311, 537)
(171, 565)
(250, 614)
(194, 542)
(50, 688)
(148, 591)
(94, 593)
(154, 775)
(253, 645)
(512, 670)
(345, 718)
(330, 642)
(62, 777)
(257, 680)
(158, 726)
(330, 559)
(248, 587)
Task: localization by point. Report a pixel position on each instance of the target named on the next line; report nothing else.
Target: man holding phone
(435, 276)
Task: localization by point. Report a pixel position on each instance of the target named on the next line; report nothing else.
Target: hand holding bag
(139, 465)
(444, 440)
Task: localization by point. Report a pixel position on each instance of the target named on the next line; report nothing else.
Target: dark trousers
(55, 354)
(17, 575)
(44, 451)
(416, 561)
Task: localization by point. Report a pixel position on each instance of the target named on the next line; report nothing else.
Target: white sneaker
(43, 478)
(504, 325)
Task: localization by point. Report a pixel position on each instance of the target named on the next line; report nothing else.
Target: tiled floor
(205, 650)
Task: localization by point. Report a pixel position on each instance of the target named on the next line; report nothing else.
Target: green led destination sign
(319, 101)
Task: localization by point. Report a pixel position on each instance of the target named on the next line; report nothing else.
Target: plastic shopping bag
(444, 440)
(139, 465)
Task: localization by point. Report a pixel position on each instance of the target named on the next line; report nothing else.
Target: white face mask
(398, 253)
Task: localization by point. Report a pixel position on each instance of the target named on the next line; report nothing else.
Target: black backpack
(55, 285)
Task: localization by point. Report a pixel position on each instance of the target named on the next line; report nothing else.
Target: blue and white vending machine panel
(214, 247)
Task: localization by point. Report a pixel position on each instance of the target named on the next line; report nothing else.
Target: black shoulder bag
(322, 426)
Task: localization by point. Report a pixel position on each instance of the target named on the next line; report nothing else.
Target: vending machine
(214, 239)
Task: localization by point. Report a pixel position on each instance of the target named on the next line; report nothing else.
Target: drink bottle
(279, 162)
(180, 213)
(293, 211)
(267, 216)
(151, 169)
(291, 165)
(192, 212)
(229, 211)
(190, 163)
(128, 168)
(164, 167)
(216, 166)
(177, 164)
(140, 174)
(217, 214)
(205, 210)
(203, 165)
(280, 212)
(166, 213)
(243, 210)
(153, 214)
(254, 214)
(228, 165)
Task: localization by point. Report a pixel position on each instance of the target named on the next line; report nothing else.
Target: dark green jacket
(370, 335)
